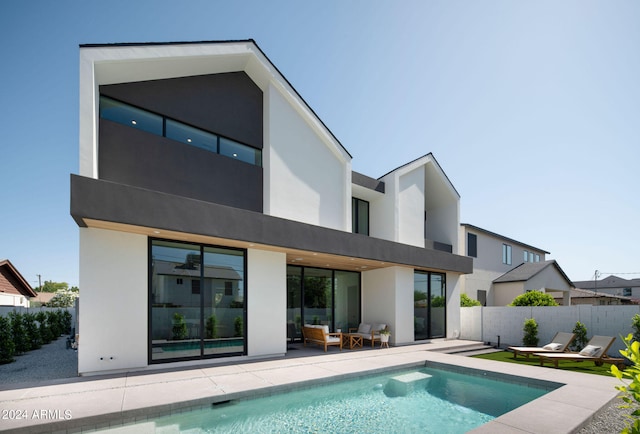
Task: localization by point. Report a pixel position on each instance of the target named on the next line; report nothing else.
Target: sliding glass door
(321, 296)
(196, 301)
(429, 305)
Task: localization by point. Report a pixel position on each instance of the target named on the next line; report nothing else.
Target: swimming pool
(419, 400)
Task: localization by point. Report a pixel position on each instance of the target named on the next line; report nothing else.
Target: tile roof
(527, 270)
(12, 282)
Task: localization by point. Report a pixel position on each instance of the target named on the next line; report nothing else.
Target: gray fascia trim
(366, 182)
(476, 228)
(118, 203)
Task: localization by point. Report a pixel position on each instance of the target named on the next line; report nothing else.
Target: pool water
(447, 402)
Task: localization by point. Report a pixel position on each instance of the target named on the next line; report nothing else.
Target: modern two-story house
(504, 268)
(218, 214)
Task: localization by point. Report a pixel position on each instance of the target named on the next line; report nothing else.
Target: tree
(63, 298)
(466, 301)
(534, 298)
(50, 286)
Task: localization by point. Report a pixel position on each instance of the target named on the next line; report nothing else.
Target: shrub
(635, 324)
(466, 301)
(7, 348)
(20, 339)
(66, 322)
(238, 325)
(53, 320)
(581, 337)
(43, 328)
(530, 329)
(31, 331)
(534, 298)
(210, 327)
(179, 326)
(631, 391)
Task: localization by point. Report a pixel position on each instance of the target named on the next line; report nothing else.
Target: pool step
(469, 350)
(402, 385)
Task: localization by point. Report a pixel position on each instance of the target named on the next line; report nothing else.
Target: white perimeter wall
(266, 303)
(304, 178)
(486, 323)
(113, 315)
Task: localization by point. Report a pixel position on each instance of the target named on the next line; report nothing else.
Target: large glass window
(197, 299)
(429, 305)
(506, 254)
(240, 152)
(191, 136)
(359, 216)
(321, 296)
(131, 116)
(472, 245)
(318, 296)
(125, 114)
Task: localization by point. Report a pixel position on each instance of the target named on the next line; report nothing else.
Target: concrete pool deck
(80, 404)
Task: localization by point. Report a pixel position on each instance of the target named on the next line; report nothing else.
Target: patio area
(76, 404)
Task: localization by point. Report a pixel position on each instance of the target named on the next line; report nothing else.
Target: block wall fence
(487, 323)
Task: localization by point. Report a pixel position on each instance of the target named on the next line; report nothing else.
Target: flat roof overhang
(109, 205)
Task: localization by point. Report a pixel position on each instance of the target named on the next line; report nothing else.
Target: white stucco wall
(411, 223)
(305, 178)
(113, 315)
(504, 293)
(453, 305)
(266, 303)
(387, 297)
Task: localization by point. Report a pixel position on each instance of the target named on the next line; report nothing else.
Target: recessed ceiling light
(235, 155)
(298, 259)
(156, 232)
(134, 122)
(189, 140)
(251, 244)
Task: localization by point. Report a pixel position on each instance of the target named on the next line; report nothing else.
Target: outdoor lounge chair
(596, 351)
(559, 344)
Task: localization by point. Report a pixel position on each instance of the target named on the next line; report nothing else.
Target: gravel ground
(51, 362)
(611, 419)
(55, 362)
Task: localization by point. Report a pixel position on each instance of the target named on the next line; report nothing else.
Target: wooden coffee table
(352, 339)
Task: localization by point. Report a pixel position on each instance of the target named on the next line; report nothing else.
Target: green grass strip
(585, 367)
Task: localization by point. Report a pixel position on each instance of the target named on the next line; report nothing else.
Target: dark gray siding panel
(365, 181)
(108, 201)
(226, 104)
(134, 157)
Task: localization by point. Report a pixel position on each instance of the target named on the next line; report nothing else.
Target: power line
(611, 272)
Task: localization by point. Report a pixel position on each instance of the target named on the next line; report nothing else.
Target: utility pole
(595, 281)
(40, 281)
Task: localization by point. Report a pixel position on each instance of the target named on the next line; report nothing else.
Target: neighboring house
(498, 257)
(14, 289)
(613, 285)
(584, 296)
(544, 276)
(42, 298)
(217, 212)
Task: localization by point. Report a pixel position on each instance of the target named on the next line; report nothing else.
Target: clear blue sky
(531, 108)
